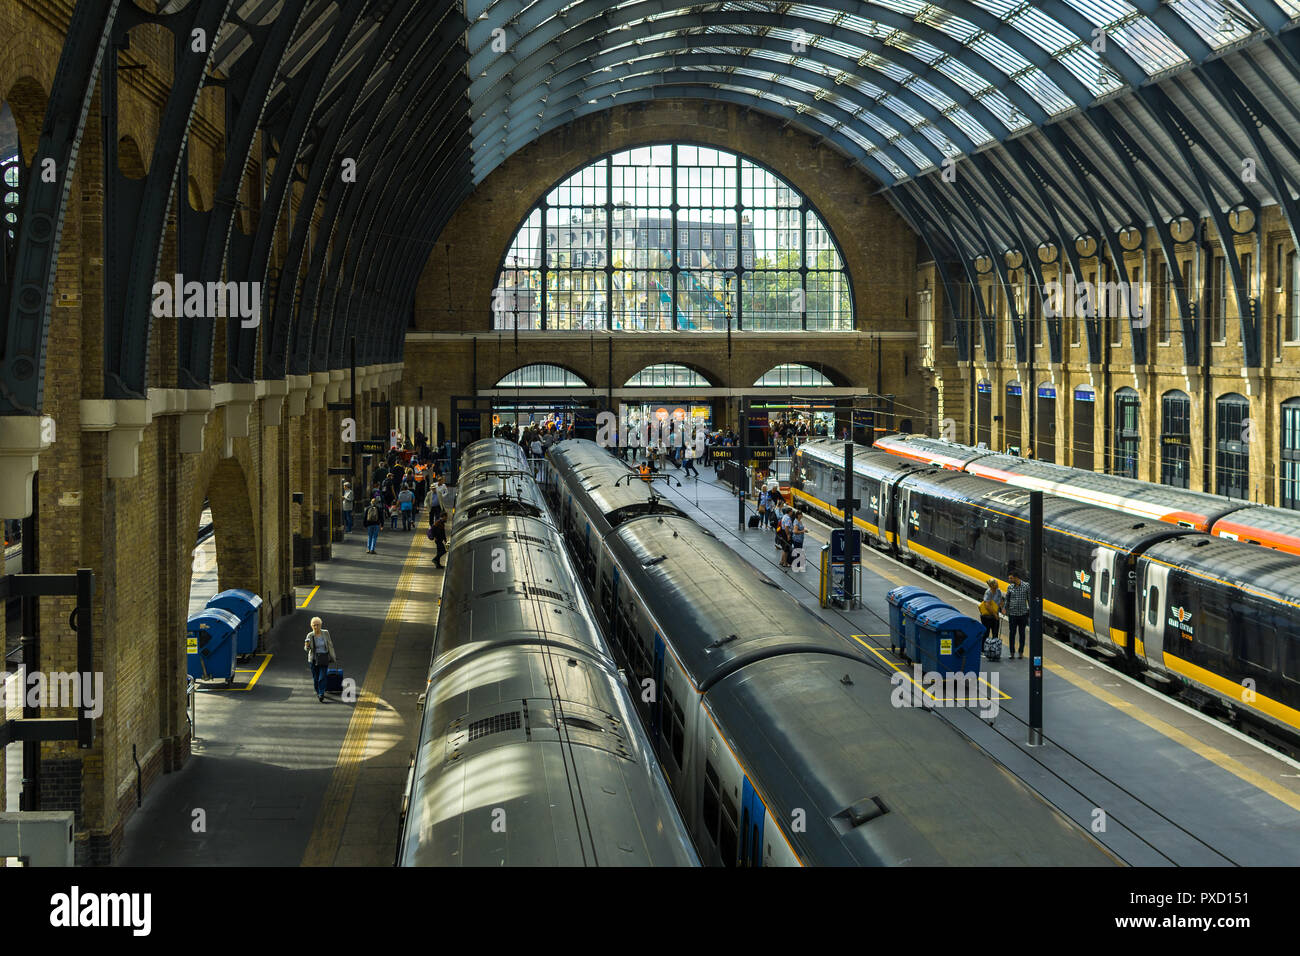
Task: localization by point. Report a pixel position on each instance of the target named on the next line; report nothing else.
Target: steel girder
(247, 90)
(931, 235)
(141, 225)
(40, 224)
(327, 162)
(312, 350)
(1177, 125)
(253, 263)
(339, 224)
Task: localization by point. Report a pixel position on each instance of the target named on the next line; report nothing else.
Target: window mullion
(546, 277)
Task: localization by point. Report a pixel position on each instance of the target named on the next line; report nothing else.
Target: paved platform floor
(1169, 785)
(280, 779)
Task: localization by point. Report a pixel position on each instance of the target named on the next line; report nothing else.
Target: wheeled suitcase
(992, 648)
(753, 521)
(333, 680)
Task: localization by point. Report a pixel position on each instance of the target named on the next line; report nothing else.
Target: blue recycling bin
(897, 598)
(247, 607)
(210, 639)
(947, 641)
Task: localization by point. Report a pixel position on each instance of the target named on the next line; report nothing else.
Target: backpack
(372, 513)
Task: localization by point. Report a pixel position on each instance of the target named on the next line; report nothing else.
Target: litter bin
(947, 641)
(210, 644)
(247, 607)
(897, 598)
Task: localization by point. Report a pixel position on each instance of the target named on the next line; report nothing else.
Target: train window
(1103, 592)
(1212, 625)
(728, 834)
(1153, 605)
(744, 830)
(711, 803)
(1253, 641)
(1288, 639)
(679, 734)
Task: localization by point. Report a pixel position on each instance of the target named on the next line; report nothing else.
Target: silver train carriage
(530, 752)
(1212, 619)
(780, 741)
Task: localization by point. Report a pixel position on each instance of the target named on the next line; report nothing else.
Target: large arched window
(541, 376)
(793, 375)
(1175, 438)
(1232, 469)
(667, 376)
(668, 238)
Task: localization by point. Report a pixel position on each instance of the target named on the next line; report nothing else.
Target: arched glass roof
(898, 84)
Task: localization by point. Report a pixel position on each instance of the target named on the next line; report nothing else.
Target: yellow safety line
(1217, 757)
(328, 831)
(247, 670)
(898, 667)
(310, 596)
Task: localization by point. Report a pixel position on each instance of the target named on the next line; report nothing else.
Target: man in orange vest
(644, 470)
(421, 484)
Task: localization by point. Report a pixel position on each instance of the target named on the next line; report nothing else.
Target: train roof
(533, 758)
(511, 578)
(875, 464)
(722, 613)
(495, 487)
(610, 485)
(884, 784)
(1271, 574)
(1161, 502)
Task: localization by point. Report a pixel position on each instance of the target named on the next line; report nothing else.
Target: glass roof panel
(1040, 86)
(967, 124)
(999, 54)
(900, 107)
(960, 73)
(1042, 29)
(1148, 45)
(931, 93)
(1217, 24)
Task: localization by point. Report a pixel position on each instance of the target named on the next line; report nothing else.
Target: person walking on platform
(406, 501)
(438, 534)
(991, 618)
(374, 521)
(446, 497)
(320, 654)
(1017, 611)
(435, 504)
(348, 503)
(688, 455)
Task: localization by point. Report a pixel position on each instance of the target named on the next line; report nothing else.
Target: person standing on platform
(374, 521)
(320, 654)
(1017, 611)
(348, 503)
(435, 504)
(438, 534)
(991, 617)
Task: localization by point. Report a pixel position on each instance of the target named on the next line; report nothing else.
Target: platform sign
(369, 446)
(762, 454)
(723, 452)
(394, 438)
(837, 546)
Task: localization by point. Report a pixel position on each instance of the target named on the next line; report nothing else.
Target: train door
(656, 706)
(1103, 593)
(781, 469)
(903, 523)
(1155, 588)
(753, 816)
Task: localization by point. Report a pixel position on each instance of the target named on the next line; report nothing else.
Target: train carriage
(530, 751)
(782, 745)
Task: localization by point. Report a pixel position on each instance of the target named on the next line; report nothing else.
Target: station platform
(1157, 782)
(282, 779)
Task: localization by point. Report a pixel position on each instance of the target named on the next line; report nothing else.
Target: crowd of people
(402, 486)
